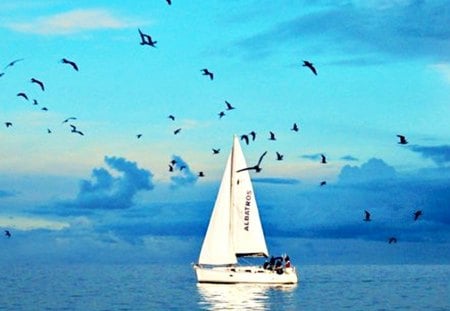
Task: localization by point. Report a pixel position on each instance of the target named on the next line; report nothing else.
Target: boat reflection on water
(238, 296)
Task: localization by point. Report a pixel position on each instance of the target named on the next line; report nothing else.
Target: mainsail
(235, 227)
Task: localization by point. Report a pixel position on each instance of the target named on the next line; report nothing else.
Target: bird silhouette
(177, 131)
(310, 66)
(229, 106)
(22, 94)
(169, 2)
(201, 174)
(206, 72)
(68, 119)
(221, 114)
(139, 136)
(35, 102)
(272, 136)
(294, 127)
(244, 138)
(170, 168)
(279, 156)
(69, 62)
(392, 240)
(8, 124)
(323, 183)
(323, 159)
(146, 39)
(256, 167)
(44, 109)
(171, 117)
(49, 131)
(403, 140)
(74, 130)
(38, 82)
(367, 216)
(417, 214)
(7, 234)
(215, 151)
(173, 162)
(13, 62)
(253, 135)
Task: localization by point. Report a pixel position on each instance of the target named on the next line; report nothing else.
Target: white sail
(235, 227)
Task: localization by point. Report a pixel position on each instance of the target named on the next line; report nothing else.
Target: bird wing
(261, 157)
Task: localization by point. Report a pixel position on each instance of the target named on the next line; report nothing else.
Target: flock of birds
(247, 138)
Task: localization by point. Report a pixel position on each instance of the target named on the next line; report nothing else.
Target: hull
(244, 274)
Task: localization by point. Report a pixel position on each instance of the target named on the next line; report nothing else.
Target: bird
(44, 109)
(323, 159)
(310, 66)
(146, 39)
(279, 156)
(182, 167)
(74, 130)
(173, 162)
(169, 2)
(35, 102)
(69, 62)
(177, 131)
(323, 183)
(206, 72)
(49, 131)
(244, 138)
(68, 119)
(403, 140)
(170, 168)
(253, 135)
(294, 127)
(22, 94)
(215, 151)
(201, 174)
(272, 136)
(367, 216)
(229, 106)
(392, 240)
(38, 82)
(2, 74)
(171, 117)
(256, 167)
(13, 62)
(8, 124)
(139, 136)
(417, 214)
(221, 114)
(7, 234)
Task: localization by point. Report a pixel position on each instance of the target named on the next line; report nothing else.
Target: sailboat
(235, 232)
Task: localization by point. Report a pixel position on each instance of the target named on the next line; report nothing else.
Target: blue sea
(173, 287)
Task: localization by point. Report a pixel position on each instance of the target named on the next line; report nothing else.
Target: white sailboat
(235, 231)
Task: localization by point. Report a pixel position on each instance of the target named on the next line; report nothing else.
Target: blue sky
(383, 69)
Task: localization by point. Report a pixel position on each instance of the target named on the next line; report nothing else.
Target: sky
(383, 69)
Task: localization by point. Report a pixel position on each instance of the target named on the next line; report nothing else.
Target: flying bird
(256, 167)
(294, 127)
(417, 214)
(206, 72)
(177, 131)
(7, 234)
(310, 66)
(272, 136)
(74, 130)
(367, 216)
(44, 109)
(244, 138)
(221, 114)
(253, 135)
(229, 106)
(49, 131)
(68, 119)
(215, 151)
(323, 159)
(171, 117)
(139, 136)
(69, 62)
(22, 94)
(35, 102)
(279, 156)
(146, 39)
(169, 2)
(323, 183)
(170, 168)
(8, 124)
(392, 240)
(40, 83)
(403, 140)
(13, 62)
(201, 174)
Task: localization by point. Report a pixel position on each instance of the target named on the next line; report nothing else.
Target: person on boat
(287, 262)
(271, 263)
(279, 267)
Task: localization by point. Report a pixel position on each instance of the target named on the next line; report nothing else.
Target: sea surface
(173, 287)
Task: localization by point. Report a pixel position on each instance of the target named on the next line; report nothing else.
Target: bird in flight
(392, 240)
(323, 183)
(244, 138)
(221, 114)
(294, 127)
(49, 131)
(8, 124)
(7, 234)
(139, 136)
(22, 94)
(170, 168)
(69, 62)
(229, 106)
(146, 39)
(272, 136)
(169, 2)
(40, 83)
(44, 109)
(417, 214)
(253, 135)
(323, 159)
(310, 66)
(206, 72)
(68, 119)
(279, 156)
(256, 167)
(201, 174)
(177, 131)
(171, 117)
(13, 62)
(367, 216)
(35, 102)
(74, 130)
(403, 140)
(215, 151)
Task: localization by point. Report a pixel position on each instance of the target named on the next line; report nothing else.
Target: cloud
(109, 192)
(74, 21)
(183, 174)
(349, 158)
(439, 154)
(277, 180)
(32, 223)
(312, 157)
(373, 169)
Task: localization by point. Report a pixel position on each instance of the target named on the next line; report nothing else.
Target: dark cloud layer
(183, 175)
(439, 154)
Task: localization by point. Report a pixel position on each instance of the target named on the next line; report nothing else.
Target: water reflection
(238, 296)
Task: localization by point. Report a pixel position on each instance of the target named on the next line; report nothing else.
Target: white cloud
(72, 22)
(28, 223)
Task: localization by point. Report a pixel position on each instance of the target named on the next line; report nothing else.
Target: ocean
(173, 287)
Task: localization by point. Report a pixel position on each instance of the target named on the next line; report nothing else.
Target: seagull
(253, 135)
(324, 159)
(22, 94)
(229, 106)
(367, 216)
(44, 109)
(35, 102)
(169, 2)
(139, 136)
(294, 127)
(392, 240)
(173, 162)
(171, 117)
(221, 114)
(244, 138)
(177, 131)
(8, 124)
(206, 72)
(7, 234)
(403, 140)
(257, 167)
(310, 66)
(201, 174)
(279, 156)
(146, 39)
(49, 131)
(417, 214)
(215, 151)
(40, 83)
(68, 119)
(272, 136)
(74, 130)
(71, 63)
(170, 168)
(13, 62)
(323, 183)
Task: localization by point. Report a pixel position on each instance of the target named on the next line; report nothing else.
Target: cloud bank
(439, 154)
(183, 176)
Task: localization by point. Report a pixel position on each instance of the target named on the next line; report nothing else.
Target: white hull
(244, 274)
